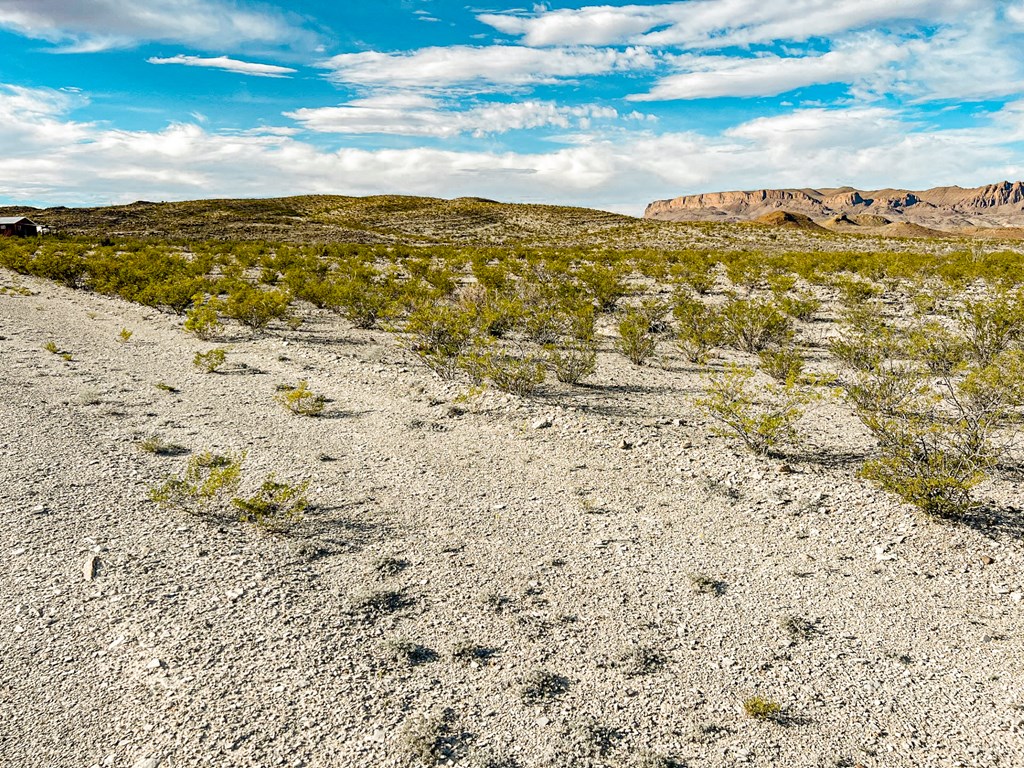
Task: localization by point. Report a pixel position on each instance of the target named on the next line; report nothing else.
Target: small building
(19, 226)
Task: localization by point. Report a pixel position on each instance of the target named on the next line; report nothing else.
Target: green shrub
(124, 335)
(203, 319)
(440, 335)
(784, 364)
(274, 506)
(573, 361)
(700, 328)
(991, 325)
(754, 324)
(800, 307)
(301, 401)
(942, 352)
(255, 308)
(206, 486)
(636, 340)
(761, 708)
(210, 361)
(761, 425)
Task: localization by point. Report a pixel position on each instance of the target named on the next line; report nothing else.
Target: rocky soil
(589, 577)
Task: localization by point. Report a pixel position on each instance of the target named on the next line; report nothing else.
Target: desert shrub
(52, 348)
(440, 334)
(700, 327)
(801, 306)
(754, 324)
(364, 297)
(176, 293)
(696, 274)
(603, 283)
(124, 335)
(931, 456)
(203, 318)
(990, 325)
(636, 341)
(158, 446)
(745, 271)
(573, 360)
(854, 292)
(255, 308)
(784, 364)
(210, 361)
(762, 425)
(274, 505)
(941, 351)
(542, 684)
(761, 708)
(301, 400)
(517, 372)
(206, 486)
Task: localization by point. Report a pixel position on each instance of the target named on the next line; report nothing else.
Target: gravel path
(644, 575)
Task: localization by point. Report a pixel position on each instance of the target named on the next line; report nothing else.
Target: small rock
(148, 762)
(542, 721)
(786, 469)
(155, 664)
(987, 560)
(542, 423)
(626, 445)
(1016, 596)
(89, 567)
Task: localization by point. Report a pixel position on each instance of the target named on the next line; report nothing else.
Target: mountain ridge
(943, 208)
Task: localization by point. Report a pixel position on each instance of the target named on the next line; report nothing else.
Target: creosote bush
(301, 400)
(763, 419)
(211, 360)
(637, 341)
(274, 506)
(761, 708)
(203, 319)
(754, 324)
(207, 485)
(700, 327)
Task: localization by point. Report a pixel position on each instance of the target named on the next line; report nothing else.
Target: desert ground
(587, 576)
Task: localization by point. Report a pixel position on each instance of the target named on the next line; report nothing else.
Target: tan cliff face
(943, 208)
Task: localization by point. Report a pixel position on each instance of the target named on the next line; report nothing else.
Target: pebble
(155, 664)
(542, 423)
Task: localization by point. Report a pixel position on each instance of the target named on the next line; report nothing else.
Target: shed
(18, 226)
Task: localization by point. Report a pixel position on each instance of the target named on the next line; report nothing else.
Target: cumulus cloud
(103, 24)
(717, 23)
(226, 64)
(52, 158)
(488, 65)
(417, 115)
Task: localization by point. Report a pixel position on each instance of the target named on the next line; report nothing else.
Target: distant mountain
(848, 209)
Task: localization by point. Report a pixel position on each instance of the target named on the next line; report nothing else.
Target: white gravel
(134, 636)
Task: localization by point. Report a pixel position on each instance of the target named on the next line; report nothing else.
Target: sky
(607, 106)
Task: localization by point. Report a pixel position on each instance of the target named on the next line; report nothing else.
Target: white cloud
(712, 76)
(719, 23)
(103, 24)
(226, 64)
(415, 115)
(49, 157)
(497, 65)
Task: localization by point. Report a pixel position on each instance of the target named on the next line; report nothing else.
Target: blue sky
(611, 106)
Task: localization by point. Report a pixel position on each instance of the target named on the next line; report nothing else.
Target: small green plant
(636, 340)
(210, 361)
(518, 374)
(274, 506)
(301, 400)
(52, 348)
(762, 425)
(755, 324)
(203, 319)
(573, 361)
(208, 483)
(761, 708)
(784, 364)
(700, 328)
(124, 335)
(165, 387)
(156, 445)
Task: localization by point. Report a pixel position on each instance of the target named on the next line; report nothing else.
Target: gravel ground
(606, 590)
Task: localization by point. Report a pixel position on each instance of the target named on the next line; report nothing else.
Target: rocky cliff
(943, 208)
